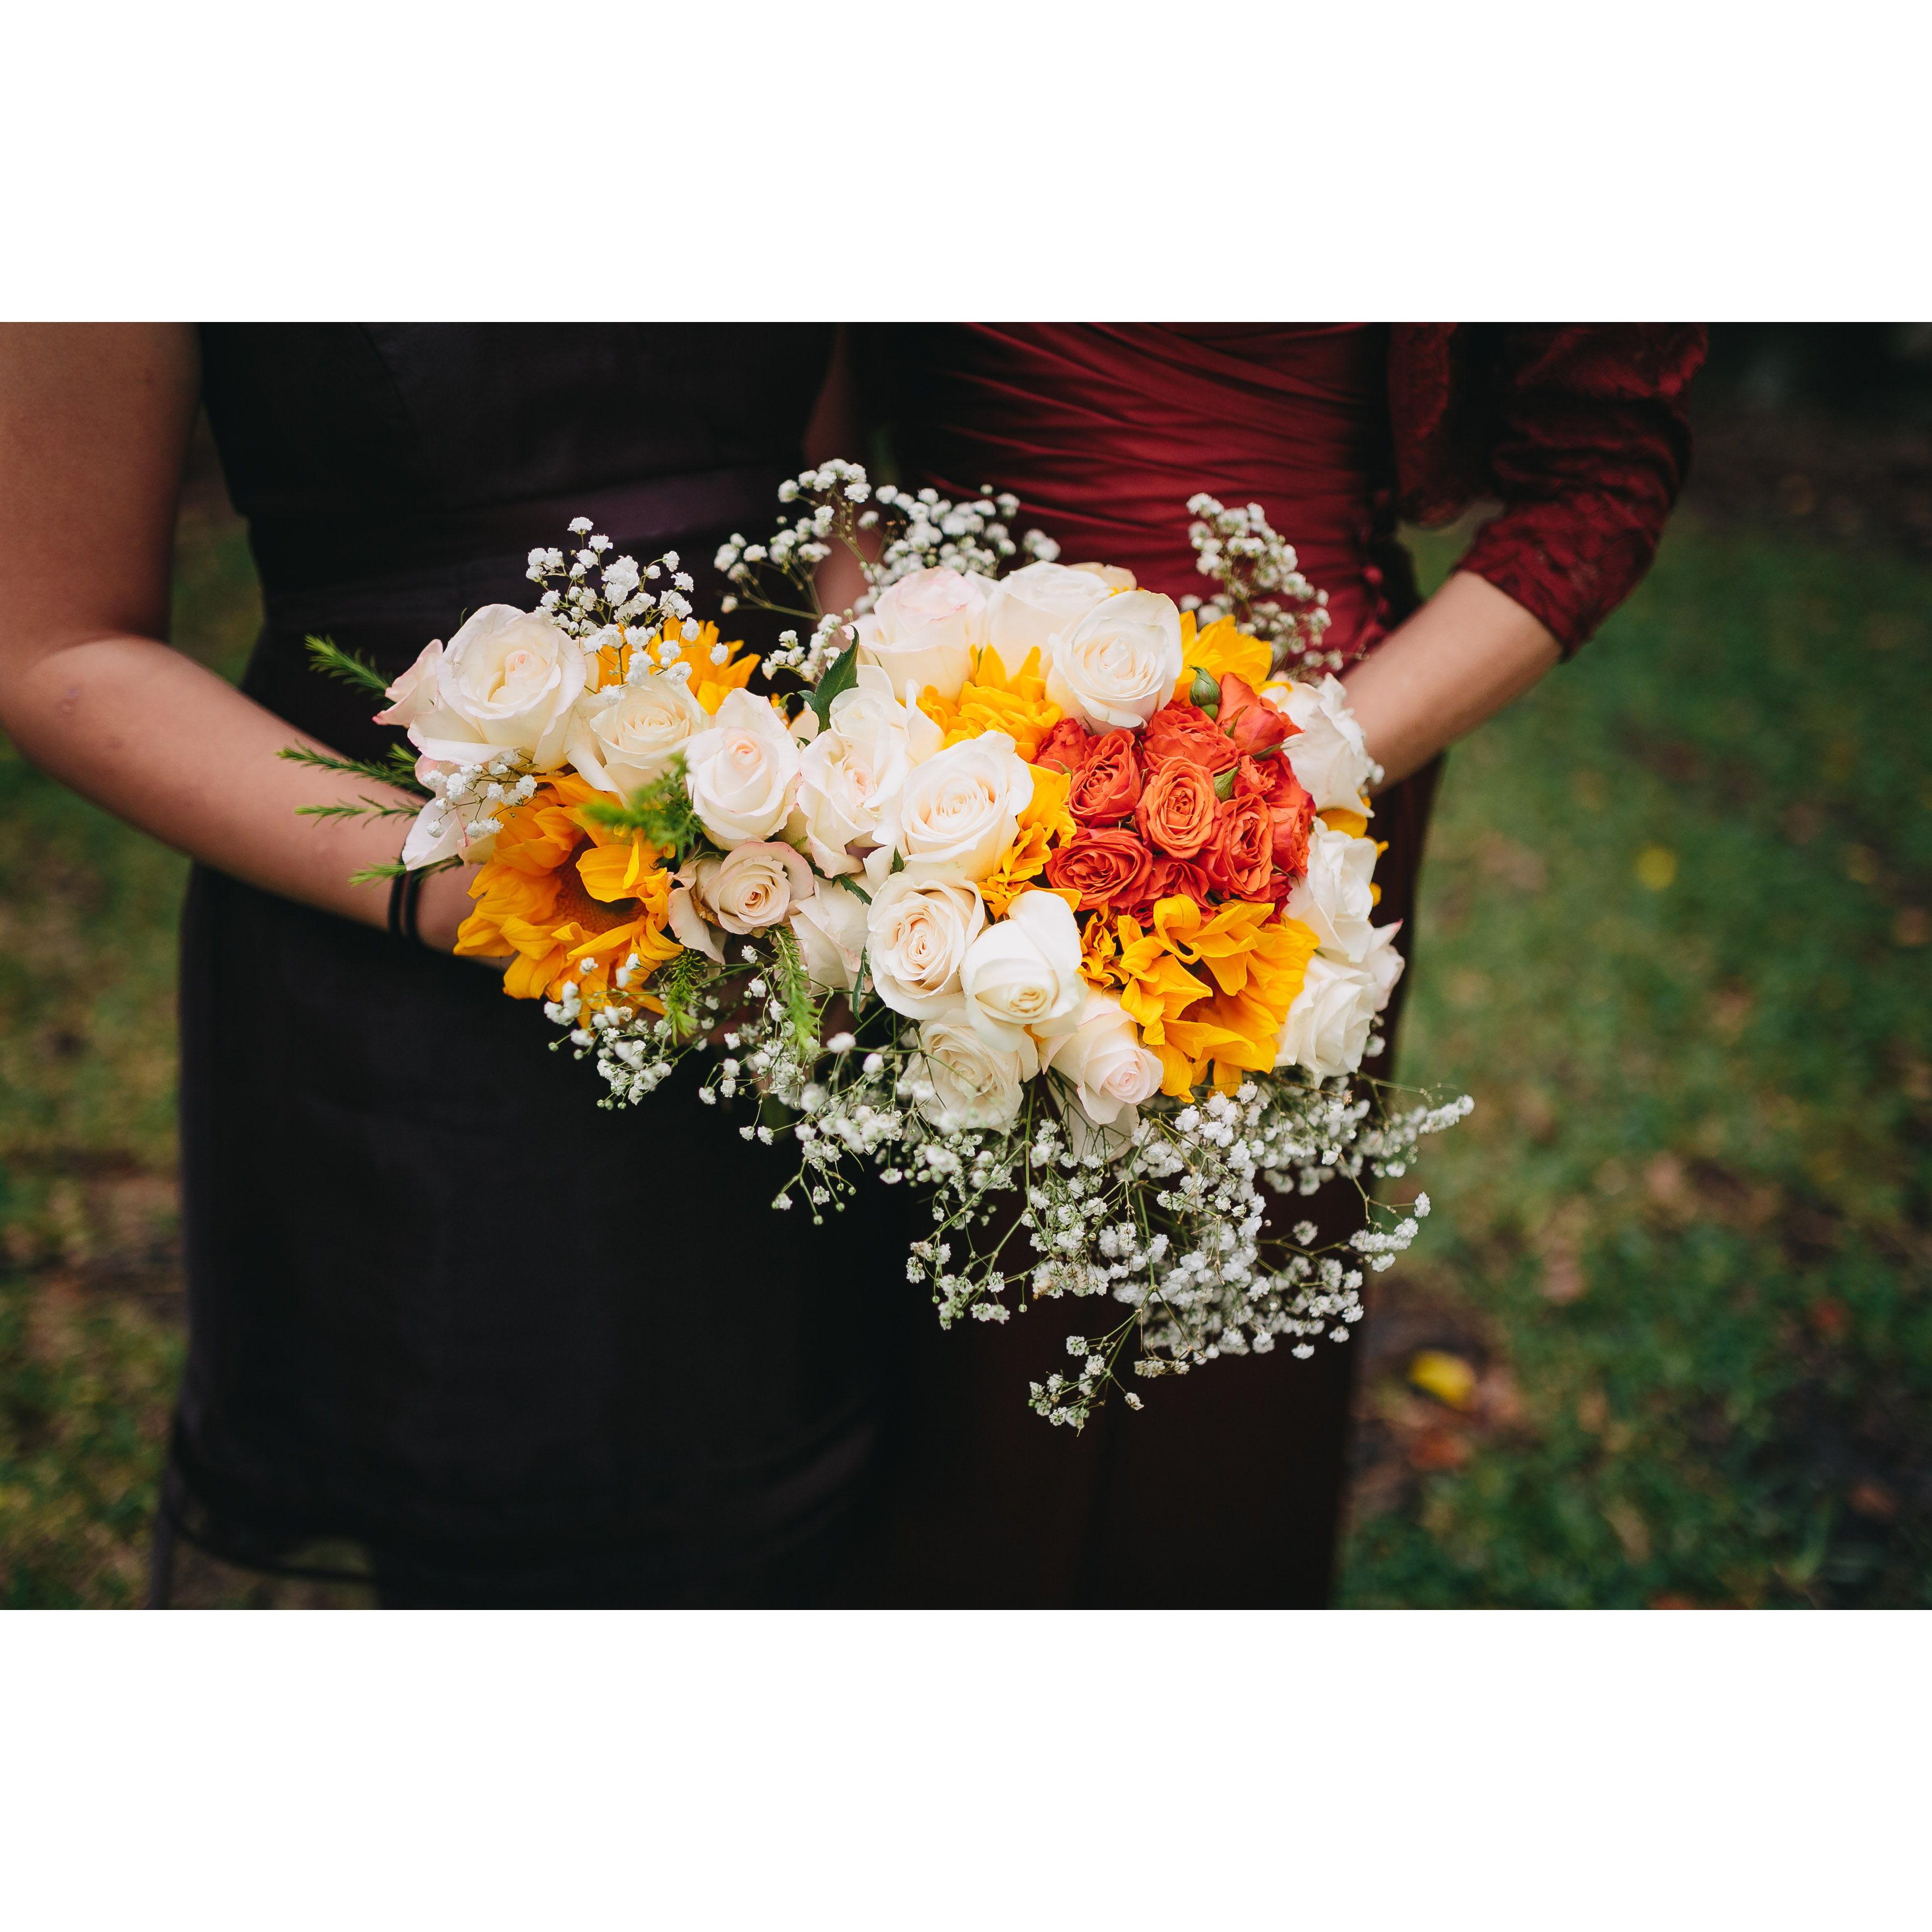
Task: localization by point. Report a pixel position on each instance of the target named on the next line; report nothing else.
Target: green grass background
(1673, 940)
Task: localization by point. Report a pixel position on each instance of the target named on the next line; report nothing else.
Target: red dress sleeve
(1579, 428)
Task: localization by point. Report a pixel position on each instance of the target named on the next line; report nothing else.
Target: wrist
(442, 904)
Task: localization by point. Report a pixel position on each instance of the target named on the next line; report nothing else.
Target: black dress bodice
(522, 1348)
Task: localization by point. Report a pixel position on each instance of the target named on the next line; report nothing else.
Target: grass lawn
(1674, 939)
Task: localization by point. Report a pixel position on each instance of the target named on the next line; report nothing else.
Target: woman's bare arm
(1468, 651)
(93, 422)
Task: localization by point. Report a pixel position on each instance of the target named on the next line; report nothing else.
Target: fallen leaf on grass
(1632, 1532)
(1449, 1378)
(1873, 1499)
(1438, 1448)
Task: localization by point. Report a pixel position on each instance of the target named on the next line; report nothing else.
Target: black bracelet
(405, 891)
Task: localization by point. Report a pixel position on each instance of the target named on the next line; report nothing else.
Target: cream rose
(924, 629)
(917, 933)
(1026, 609)
(693, 912)
(1334, 897)
(959, 1081)
(849, 775)
(1328, 754)
(742, 771)
(960, 810)
(756, 886)
(627, 736)
(1114, 576)
(413, 694)
(1117, 665)
(1327, 1027)
(506, 683)
(1112, 1073)
(1023, 973)
(830, 928)
(1382, 963)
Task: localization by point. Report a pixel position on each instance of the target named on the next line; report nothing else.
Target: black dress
(528, 1351)
(525, 1351)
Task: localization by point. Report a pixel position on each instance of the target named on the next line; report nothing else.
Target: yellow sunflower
(571, 900)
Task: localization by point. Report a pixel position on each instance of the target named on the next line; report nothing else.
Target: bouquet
(1043, 894)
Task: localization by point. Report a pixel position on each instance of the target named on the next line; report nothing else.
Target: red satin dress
(1226, 1490)
(1105, 432)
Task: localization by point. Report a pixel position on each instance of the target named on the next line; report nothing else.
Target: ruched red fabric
(1578, 429)
(1104, 432)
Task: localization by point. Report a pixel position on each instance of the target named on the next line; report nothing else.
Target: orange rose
(1273, 782)
(1184, 731)
(1293, 822)
(1251, 723)
(1171, 878)
(1065, 746)
(1240, 858)
(1176, 813)
(1107, 788)
(1103, 866)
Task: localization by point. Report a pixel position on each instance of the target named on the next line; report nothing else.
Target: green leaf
(852, 885)
(841, 674)
(329, 657)
(661, 812)
(397, 766)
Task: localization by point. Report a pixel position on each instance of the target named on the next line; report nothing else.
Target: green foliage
(679, 984)
(791, 986)
(396, 766)
(345, 667)
(660, 811)
(841, 674)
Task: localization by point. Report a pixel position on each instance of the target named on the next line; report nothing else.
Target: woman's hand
(1468, 651)
(443, 903)
(94, 425)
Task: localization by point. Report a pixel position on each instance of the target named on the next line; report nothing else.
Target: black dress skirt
(525, 1351)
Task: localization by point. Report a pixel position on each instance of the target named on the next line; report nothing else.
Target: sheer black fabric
(527, 1350)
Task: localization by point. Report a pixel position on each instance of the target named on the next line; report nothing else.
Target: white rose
(960, 1080)
(436, 833)
(960, 810)
(849, 776)
(917, 932)
(693, 911)
(1114, 576)
(465, 827)
(1328, 1026)
(413, 694)
(1383, 963)
(507, 682)
(1027, 608)
(1334, 896)
(830, 928)
(1117, 665)
(1102, 1055)
(756, 886)
(743, 772)
(627, 736)
(924, 629)
(1024, 973)
(1328, 754)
